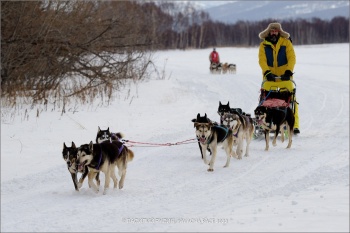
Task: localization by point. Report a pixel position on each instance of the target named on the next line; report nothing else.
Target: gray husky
(210, 135)
(242, 128)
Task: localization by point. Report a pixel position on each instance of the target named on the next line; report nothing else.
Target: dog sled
(277, 97)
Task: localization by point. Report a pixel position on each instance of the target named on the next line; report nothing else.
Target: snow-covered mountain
(232, 12)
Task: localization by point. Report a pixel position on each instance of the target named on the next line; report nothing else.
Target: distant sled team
(222, 68)
(103, 156)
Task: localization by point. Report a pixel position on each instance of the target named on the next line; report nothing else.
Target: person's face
(274, 35)
(274, 32)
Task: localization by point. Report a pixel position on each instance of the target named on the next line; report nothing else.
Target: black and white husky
(70, 156)
(106, 135)
(274, 119)
(232, 68)
(104, 157)
(225, 108)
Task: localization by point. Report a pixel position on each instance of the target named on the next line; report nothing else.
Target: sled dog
(224, 68)
(104, 157)
(209, 135)
(242, 128)
(215, 68)
(70, 156)
(273, 119)
(231, 68)
(225, 108)
(106, 135)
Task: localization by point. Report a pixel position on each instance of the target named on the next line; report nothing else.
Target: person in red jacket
(214, 57)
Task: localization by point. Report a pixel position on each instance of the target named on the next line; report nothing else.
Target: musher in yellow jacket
(277, 58)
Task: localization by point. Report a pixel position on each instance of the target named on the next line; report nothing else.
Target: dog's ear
(198, 116)
(108, 129)
(91, 145)
(220, 103)
(205, 115)
(98, 130)
(228, 103)
(64, 146)
(73, 145)
(242, 120)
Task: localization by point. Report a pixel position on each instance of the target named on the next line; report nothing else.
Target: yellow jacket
(278, 58)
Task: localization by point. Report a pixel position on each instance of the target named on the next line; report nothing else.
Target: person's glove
(286, 76)
(269, 76)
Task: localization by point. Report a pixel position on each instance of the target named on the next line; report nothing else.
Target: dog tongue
(81, 167)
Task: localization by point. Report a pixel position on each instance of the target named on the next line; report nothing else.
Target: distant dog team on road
(222, 68)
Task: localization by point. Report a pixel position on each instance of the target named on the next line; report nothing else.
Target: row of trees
(194, 29)
(58, 49)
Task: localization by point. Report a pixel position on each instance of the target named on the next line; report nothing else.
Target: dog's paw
(105, 191)
(80, 184)
(121, 185)
(210, 170)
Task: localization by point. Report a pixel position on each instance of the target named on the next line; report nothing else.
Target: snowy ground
(168, 188)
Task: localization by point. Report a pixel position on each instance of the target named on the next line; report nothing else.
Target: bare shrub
(62, 51)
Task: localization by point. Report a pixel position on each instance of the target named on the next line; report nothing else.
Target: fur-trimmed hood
(276, 26)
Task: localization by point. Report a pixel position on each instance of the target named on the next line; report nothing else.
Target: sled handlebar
(279, 78)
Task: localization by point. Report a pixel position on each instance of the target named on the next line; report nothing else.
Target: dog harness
(282, 109)
(236, 135)
(120, 149)
(222, 134)
(99, 162)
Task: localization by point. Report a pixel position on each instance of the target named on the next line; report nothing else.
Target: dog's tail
(130, 155)
(119, 135)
